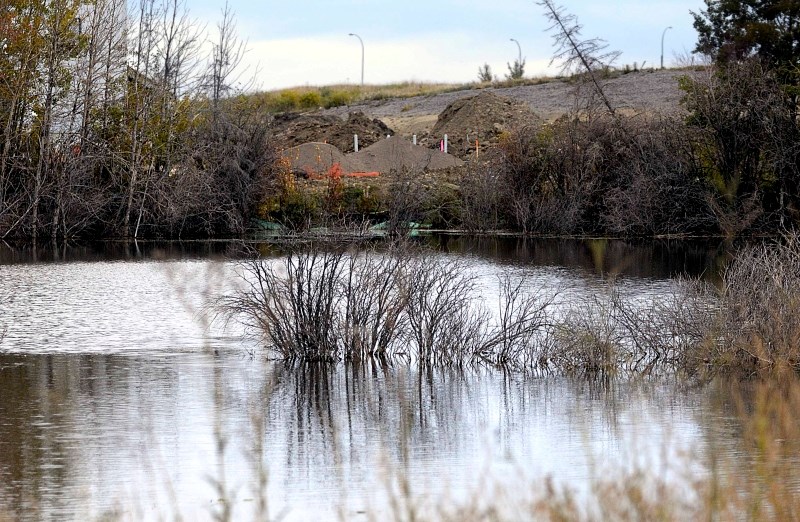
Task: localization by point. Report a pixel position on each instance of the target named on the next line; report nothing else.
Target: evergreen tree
(732, 30)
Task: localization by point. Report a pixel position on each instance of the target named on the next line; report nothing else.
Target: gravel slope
(655, 91)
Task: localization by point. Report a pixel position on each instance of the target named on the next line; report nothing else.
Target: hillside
(653, 91)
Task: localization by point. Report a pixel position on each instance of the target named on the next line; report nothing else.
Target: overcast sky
(306, 42)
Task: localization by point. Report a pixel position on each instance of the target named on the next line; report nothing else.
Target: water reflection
(115, 397)
(88, 251)
(85, 435)
(652, 259)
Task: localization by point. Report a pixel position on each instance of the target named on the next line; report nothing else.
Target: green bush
(337, 98)
(297, 209)
(310, 100)
(286, 101)
(360, 200)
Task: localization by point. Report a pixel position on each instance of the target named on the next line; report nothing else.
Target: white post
(414, 140)
(355, 141)
(445, 143)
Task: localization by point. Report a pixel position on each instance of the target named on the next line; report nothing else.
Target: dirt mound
(295, 129)
(395, 154)
(317, 158)
(483, 117)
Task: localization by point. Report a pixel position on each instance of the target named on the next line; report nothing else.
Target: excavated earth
(315, 141)
(646, 91)
(316, 158)
(474, 120)
(398, 154)
(291, 129)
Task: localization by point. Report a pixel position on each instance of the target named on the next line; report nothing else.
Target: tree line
(117, 123)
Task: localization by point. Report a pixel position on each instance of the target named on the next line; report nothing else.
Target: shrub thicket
(327, 302)
(730, 167)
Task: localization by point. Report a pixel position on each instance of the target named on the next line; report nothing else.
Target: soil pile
(482, 117)
(293, 129)
(317, 158)
(396, 154)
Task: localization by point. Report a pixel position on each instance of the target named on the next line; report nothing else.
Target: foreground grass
(764, 486)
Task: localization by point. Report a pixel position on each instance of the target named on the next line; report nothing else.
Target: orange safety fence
(336, 172)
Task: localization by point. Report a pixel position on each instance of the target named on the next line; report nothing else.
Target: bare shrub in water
(326, 303)
(748, 326)
(586, 341)
(442, 320)
(374, 302)
(608, 333)
(759, 323)
(293, 303)
(448, 324)
(522, 329)
(662, 332)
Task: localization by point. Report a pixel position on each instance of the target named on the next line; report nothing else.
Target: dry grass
(757, 329)
(764, 486)
(314, 97)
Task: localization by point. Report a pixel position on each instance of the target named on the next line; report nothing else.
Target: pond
(119, 398)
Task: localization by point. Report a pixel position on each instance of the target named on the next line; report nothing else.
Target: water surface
(119, 397)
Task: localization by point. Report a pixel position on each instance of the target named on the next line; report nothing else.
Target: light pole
(662, 45)
(519, 49)
(362, 56)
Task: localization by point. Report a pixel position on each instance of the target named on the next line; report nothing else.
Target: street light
(662, 45)
(362, 56)
(519, 60)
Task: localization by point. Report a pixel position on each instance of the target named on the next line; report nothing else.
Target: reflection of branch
(589, 53)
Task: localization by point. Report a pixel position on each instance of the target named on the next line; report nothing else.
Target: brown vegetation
(108, 133)
(730, 168)
(92, 146)
(327, 303)
(321, 299)
(758, 326)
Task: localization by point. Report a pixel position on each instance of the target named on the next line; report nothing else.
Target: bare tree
(590, 55)
(226, 58)
(61, 44)
(165, 49)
